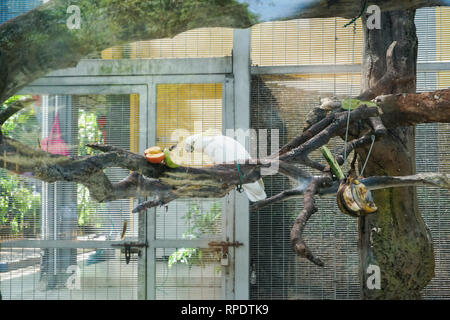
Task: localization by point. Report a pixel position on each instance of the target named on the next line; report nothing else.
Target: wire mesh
(198, 43)
(188, 273)
(92, 274)
(36, 210)
(283, 101)
(197, 277)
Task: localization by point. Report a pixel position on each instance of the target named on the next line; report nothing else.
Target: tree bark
(409, 109)
(396, 238)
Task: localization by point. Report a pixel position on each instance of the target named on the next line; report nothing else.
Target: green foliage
(355, 103)
(201, 222)
(17, 202)
(23, 125)
(88, 131)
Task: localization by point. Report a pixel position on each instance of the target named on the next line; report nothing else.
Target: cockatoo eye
(189, 147)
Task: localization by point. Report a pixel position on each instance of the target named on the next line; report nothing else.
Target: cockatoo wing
(223, 149)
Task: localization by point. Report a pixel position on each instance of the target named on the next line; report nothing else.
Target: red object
(54, 143)
(101, 121)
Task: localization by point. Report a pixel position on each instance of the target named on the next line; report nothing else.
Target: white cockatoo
(222, 149)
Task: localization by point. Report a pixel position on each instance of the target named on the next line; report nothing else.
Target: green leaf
(355, 103)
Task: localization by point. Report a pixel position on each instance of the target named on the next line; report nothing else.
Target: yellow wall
(306, 41)
(190, 109)
(443, 43)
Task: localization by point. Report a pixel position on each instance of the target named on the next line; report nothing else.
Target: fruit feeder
(353, 197)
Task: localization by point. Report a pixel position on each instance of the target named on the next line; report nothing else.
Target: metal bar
(306, 69)
(151, 216)
(182, 243)
(240, 219)
(228, 115)
(132, 244)
(90, 72)
(340, 68)
(120, 81)
(433, 66)
(80, 88)
(136, 67)
(60, 244)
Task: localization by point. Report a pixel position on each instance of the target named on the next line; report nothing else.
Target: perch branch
(440, 180)
(413, 108)
(305, 136)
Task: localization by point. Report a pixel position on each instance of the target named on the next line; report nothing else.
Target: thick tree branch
(413, 108)
(351, 8)
(305, 136)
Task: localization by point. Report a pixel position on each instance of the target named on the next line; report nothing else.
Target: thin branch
(440, 180)
(282, 196)
(322, 138)
(309, 208)
(305, 136)
(356, 143)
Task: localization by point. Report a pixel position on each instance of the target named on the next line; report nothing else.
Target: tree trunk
(395, 238)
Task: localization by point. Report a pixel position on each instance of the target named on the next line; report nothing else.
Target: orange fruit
(153, 150)
(154, 158)
(154, 154)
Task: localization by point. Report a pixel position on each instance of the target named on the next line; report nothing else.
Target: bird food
(354, 199)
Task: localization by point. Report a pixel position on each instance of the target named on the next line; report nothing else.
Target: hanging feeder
(354, 199)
